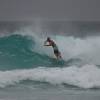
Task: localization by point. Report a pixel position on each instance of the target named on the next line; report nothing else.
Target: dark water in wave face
(16, 53)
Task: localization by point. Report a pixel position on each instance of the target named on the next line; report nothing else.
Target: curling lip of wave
(87, 76)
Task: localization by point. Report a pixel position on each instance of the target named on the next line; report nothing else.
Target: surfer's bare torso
(55, 48)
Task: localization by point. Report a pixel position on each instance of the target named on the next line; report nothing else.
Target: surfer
(55, 48)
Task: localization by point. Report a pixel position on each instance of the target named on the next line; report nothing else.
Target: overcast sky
(50, 9)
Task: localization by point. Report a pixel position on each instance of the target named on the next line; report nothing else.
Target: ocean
(30, 71)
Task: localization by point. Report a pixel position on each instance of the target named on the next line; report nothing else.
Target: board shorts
(56, 52)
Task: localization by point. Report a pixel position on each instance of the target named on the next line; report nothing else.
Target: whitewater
(87, 76)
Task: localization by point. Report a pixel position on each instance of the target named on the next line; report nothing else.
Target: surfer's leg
(60, 55)
(57, 54)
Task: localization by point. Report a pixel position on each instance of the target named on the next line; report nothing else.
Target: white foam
(87, 49)
(87, 76)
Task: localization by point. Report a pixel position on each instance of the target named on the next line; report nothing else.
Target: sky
(70, 10)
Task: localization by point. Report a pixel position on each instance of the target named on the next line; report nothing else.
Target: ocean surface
(30, 71)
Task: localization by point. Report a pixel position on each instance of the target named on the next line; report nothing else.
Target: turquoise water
(16, 53)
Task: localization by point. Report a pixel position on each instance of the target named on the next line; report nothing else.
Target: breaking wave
(87, 76)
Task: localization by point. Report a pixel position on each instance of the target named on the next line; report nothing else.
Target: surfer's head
(48, 39)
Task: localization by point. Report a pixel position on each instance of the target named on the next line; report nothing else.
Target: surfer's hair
(48, 38)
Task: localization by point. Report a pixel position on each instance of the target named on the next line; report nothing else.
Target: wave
(27, 50)
(87, 48)
(87, 76)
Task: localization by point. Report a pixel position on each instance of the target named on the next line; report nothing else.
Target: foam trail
(87, 76)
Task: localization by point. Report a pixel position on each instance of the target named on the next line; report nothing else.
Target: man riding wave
(55, 48)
